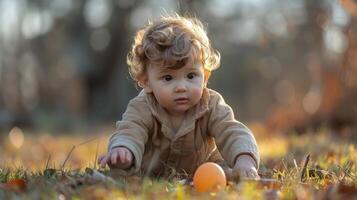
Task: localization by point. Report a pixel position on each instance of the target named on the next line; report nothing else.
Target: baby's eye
(191, 75)
(167, 77)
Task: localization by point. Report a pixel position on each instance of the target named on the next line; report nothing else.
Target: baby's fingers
(251, 173)
(114, 157)
(128, 157)
(103, 160)
(122, 156)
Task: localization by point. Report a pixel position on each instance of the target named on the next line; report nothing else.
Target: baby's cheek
(162, 94)
(164, 100)
(197, 93)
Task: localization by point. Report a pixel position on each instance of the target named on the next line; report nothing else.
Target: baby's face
(177, 90)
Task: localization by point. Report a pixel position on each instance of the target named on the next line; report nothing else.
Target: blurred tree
(64, 62)
(332, 98)
(344, 114)
(107, 82)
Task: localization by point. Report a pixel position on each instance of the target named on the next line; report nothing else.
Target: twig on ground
(99, 176)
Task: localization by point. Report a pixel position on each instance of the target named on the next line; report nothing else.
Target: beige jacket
(157, 149)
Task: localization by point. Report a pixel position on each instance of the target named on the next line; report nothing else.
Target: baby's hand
(245, 167)
(119, 157)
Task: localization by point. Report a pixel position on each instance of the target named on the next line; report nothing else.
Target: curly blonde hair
(172, 42)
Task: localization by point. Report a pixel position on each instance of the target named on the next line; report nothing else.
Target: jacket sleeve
(132, 131)
(232, 137)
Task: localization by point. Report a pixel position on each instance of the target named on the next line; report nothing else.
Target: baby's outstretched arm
(118, 157)
(245, 166)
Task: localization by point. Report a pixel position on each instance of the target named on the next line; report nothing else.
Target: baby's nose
(180, 88)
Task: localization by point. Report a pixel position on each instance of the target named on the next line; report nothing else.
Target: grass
(315, 165)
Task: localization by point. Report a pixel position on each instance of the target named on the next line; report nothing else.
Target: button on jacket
(209, 132)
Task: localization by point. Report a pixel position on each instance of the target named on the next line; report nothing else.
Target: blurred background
(286, 65)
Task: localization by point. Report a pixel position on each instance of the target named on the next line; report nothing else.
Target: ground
(320, 164)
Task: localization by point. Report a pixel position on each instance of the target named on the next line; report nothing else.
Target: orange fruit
(209, 177)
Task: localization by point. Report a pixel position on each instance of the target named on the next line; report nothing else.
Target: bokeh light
(100, 39)
(97, 13)
(16, 137)
(311, 101)
(334, 40)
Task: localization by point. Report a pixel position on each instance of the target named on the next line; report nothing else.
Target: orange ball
(209, 177)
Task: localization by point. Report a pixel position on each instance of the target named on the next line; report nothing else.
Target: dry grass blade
(48, 161)
(347, 170)
(96, 156)
(68, 155)
(304, 169)
(74, 146)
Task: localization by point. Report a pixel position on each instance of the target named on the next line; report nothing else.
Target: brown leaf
(15, 185)
(348, 190)
(341, 190)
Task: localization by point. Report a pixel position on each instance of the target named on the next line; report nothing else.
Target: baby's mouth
(181, 100)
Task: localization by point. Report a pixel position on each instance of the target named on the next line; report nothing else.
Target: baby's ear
(143, 82)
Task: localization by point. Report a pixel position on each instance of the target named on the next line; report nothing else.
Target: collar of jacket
(189, 121)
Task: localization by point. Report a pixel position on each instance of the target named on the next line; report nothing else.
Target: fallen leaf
(15, 185)
(349, 190)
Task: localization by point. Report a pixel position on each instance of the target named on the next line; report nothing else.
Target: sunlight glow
(339, 15)
(61, 197)
(36, 23)
(9, 11)
(16, 137)
(335, 40)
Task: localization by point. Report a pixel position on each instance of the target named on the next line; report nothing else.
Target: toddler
(176, 123)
